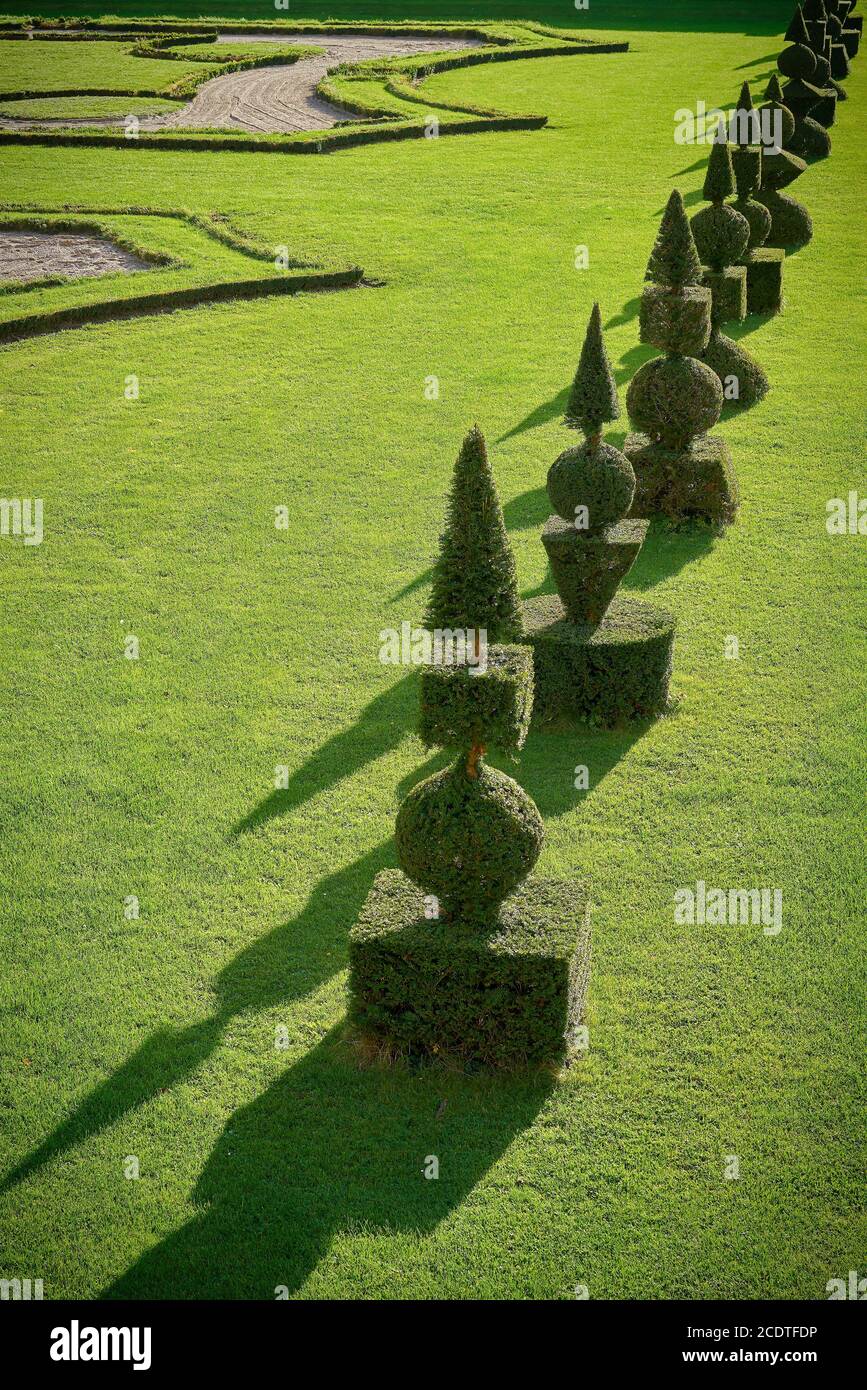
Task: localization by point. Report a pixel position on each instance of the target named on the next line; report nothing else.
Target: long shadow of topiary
(667, 550)
(379, 729)
(332, 1148)
(548, 410)
(285, 964)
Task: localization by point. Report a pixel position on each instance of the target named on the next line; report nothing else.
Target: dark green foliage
(758, 218)
(747, 165)
(811, 140)
(475, 584)
(787, 125)
(697, 480)
(729, 293)
(674, 398)
(468, 840)
(599, 479)
(839, 63)
(675, 320)
(721, 237)
(797, 30)
(814, 9)
(733, 364)
(588, 569)
(462, 705)
(765, 280)
(825, 110)
(719, 179)
(674, 260)
(593, 397)
(781, 169)
(791, 224)
(797, 61)
(512, 996)
(605, 675)
(32, 325)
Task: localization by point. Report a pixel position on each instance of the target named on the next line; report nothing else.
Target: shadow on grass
(379, 730)
(540, 415)
(332, 1148)
(667, 550)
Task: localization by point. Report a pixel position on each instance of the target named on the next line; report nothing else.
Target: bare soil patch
(29, 256)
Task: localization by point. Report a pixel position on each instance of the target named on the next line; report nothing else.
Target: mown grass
(155, 1036)
(45, 65)
(55, 108)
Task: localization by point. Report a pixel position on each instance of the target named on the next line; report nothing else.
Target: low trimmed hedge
(508, 997)
(606, 675)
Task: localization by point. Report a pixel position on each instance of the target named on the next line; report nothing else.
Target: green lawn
(51, 64)
(264, 1166)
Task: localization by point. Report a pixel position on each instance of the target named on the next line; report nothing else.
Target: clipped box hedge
(676, 321)
(463, 705)
(504, 997)
(728, 289)
(765, 279)
(696, 480)
(606, 675)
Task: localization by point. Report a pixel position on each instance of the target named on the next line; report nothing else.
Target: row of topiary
(460, 952)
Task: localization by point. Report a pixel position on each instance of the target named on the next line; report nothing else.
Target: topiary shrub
(697, 481)
(674, 260)
(593, 397)
(475, 583)
(675, 322)
(674, 398)
(722, 236)
(775, 104)
(441, 960)
(747, 165)
(470, 840)
(591, 547)
(597, 479)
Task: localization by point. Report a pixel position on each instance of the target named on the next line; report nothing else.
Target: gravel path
(278, 99)
(38, 255)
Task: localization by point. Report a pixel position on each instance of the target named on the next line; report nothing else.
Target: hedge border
(307, 278)
(505, 43)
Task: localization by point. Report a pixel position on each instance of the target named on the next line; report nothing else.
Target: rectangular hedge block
(728, 289)
(764, 268)
(462, 705)
(676, 321)
(696, 481)
(507, 996)
(606, 675)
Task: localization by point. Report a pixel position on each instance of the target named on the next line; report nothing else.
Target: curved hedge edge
(214, 224)
(34, 325)
(45, 222)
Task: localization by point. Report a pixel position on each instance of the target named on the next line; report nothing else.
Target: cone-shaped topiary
(797, 30)
(593, 398)
(674, 260)
(721, 232)
(475, 584)
(775, 104)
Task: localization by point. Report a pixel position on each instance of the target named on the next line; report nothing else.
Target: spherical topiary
(721, 235)
(776, 104)
(758, 219)
(600, 479)
(791, 224)
(673, 399)
(468, 840)
(734, 365)
(797, 61)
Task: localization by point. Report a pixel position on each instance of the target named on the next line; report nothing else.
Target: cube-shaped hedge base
(503, 996)
(698, 480)
(765, 279)
(729, 290)
(607, 675)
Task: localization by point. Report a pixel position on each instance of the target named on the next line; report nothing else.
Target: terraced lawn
(202, 1036)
